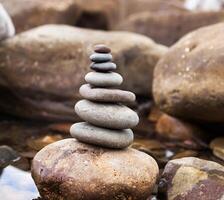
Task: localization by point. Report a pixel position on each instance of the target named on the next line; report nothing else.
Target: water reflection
(16, 184)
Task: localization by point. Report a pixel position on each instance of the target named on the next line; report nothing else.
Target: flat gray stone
(103, 67)
(109, 138)
(109, 79)
(101, 57)
(106, 94)
(7, 28)
(106, 115)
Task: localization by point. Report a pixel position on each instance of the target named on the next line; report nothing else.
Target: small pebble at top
(101, 48)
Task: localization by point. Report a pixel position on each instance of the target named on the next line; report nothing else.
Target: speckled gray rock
(110, 138)
(106, 94)
(101, 57)
(107, 115)
(103, 67)
(80, 171)
(6, 26)
(109, 79)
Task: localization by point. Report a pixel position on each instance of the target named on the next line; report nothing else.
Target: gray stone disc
(103, 67)
(101, 57)
(107, 115)
(109, 138)
(106, 94)
(109, 79)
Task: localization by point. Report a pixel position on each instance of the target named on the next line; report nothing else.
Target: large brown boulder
(96, 14)
(27, 14)
(189, 79)
(192, 178)
(70, 170)
(168, 27)
(41, 70)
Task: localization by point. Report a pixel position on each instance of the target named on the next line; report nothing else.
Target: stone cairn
(108, 122)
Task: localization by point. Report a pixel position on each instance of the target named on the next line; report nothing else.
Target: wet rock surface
(111, 174)
(188, 87)
(192, 178)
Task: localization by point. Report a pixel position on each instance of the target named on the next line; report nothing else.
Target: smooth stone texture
(109, 138)
(7, 28)
(109, 79)
(107, 115)
(103, 67)
(101, 57)
(101, 48)
(192, 179)
(106, 94)
(189, 80)
(80, 171)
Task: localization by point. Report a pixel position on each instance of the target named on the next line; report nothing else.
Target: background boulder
(42, 69)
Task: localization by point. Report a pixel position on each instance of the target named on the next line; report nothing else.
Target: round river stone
(189, 80)
(72, 170)
(107, 115)
(109, 79)
(101, 48)
(110, 138)
(103, 67)
(101, 57)
(106, 94)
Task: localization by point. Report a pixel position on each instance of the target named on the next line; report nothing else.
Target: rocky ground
(170, 54)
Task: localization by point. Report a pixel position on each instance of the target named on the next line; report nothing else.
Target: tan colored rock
(167, 28)
(192, 178)
(96, 14)
(217, 145)
(176, 129)
(188, 80)
(41, 70)
(27, 14)
(80, 171)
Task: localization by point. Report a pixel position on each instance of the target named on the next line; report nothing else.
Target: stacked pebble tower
(108, 122)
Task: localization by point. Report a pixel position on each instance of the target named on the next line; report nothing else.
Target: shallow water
(27, 138)
(16, 184)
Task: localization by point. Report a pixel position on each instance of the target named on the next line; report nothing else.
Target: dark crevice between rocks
(92, 20)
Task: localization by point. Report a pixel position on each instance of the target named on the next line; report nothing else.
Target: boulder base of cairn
(72, 170)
